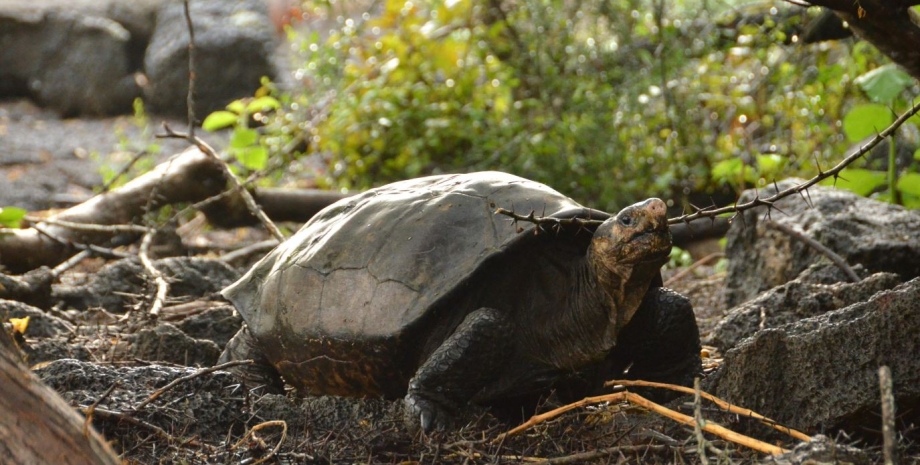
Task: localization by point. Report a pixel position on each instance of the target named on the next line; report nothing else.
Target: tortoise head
(627, 253)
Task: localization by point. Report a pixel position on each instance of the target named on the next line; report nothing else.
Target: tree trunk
(36, 425)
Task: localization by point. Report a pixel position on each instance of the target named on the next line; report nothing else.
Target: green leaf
(10, 217)
(859, 181)
(219, 120)
(884, 83)
(243, 137)
(866, 120)
(909, 183)
(237, 106)
(917, 155)
(727, 170)
(769, 165)
(254, 158)
(262, 104)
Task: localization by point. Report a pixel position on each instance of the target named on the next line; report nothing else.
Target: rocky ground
(804, 352)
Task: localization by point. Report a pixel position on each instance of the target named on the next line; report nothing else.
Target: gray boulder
(821, 373)
(878, 235)
(234, 43)
(73, 62)
(817, 290)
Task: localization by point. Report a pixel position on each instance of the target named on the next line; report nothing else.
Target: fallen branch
(188, 176)
(731, 408)
(635, 399)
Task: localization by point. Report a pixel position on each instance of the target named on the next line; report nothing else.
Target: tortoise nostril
(656, 206)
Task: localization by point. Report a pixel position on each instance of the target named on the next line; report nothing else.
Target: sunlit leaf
(237, 106)
(219, 120)
(10, 217)
(866, 120)
(20, 325)
(909, 183)
(884, 83)
(859, 181)
(727, 170)
(243, 138)
(263, 104)
(254, 158)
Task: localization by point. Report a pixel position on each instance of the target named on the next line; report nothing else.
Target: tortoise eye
(626, 220)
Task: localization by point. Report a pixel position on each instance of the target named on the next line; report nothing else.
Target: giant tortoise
(418, 289)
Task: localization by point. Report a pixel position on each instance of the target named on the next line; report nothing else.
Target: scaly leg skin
(259, 375)
(662, 342)
(463, 365)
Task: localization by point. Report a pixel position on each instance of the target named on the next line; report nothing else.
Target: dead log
(37, 426)
(187, 177)
(190, 176)
(296, 205)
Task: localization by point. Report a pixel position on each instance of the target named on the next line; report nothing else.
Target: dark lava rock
(234, 43)
(803, 297)
(878, 235)
(821, 373)
(206, 405)
(41, 323)
(821, 450)
(121, 283)
(73, 62)
(217, 324)
(56, 348)
(166, 343)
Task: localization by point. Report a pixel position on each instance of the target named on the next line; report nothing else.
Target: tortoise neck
(579, 333)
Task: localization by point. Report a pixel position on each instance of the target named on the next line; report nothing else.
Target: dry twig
(889, 443)
(635, 399)
(251, 432)
(721, 403)
(162, 285)
(194, 375)
(686, 271)
(830, 254)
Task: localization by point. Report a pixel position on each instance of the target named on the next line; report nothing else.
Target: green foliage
(608, 102)
(679, 258)
(884, 84)
(247, 146)
(866, 120)
(11, 217)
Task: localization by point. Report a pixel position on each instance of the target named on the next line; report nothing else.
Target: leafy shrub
(608, 102)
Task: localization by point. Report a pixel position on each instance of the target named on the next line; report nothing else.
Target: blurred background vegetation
(606, 101)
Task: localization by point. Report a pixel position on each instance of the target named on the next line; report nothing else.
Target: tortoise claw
(426, 414)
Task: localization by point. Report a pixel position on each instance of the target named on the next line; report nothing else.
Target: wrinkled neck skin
(585, 329)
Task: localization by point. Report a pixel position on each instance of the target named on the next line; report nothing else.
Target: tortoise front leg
(462, 366)
(258, 375)
(662, 342)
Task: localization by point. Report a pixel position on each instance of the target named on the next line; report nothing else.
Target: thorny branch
(757, 201)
